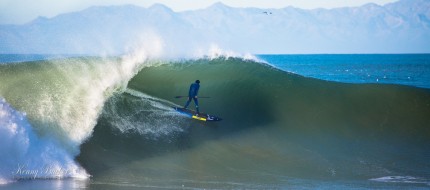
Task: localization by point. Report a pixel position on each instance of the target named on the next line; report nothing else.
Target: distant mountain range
(400, 27)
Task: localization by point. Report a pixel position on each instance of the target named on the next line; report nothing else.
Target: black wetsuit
(194, 90)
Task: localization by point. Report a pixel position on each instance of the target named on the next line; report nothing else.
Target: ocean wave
(84, 103)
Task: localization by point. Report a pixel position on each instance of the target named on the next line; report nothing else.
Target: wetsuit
(192, 94)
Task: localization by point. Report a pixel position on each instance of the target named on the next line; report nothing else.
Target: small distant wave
(402, 179)
(16, 58)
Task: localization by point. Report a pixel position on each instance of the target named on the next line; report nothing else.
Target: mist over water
(399, 27)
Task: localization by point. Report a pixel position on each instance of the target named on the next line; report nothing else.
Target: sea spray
(137, 112)
(25, 155)
(214, 51)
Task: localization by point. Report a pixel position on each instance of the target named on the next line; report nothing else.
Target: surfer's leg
(196, 102)
(188, 103)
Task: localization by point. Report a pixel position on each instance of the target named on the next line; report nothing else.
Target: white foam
(215, 52)
(25, 155)
(402, 179)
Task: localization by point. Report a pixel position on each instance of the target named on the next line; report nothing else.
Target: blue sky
(22, 11)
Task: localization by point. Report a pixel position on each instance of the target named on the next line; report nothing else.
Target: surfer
(192, 94)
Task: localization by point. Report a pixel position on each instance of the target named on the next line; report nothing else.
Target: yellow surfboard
(200, 116)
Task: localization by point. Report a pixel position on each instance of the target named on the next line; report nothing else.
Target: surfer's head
(197, 81)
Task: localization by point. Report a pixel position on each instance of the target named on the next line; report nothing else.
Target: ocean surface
(289, 122)
(405, 69)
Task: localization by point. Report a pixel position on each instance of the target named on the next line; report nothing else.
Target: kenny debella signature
(46, 172)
